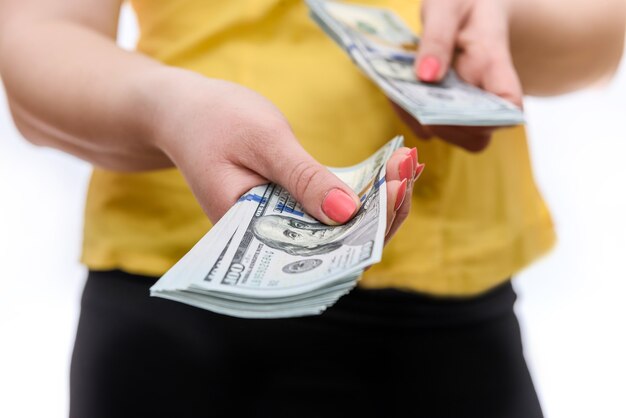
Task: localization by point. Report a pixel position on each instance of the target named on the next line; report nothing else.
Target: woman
(431, 332)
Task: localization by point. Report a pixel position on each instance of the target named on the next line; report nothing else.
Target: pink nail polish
(406, 168)
(418, 171)
(401, 195)
(429, 69)
(413, 153)
(338, 206)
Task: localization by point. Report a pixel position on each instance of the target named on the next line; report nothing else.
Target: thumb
(322, 194)
(441, 22)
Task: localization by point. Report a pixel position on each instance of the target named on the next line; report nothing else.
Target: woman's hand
(226, 139)
(473, 37)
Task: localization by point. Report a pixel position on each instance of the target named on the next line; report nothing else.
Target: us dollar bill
(384, 49)
(279, 250)
(267, 258)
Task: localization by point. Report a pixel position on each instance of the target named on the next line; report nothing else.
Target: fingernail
(401, 195)
(406, 168)
(429, 69)
(413, 153)
(418, 171)
(338, 206)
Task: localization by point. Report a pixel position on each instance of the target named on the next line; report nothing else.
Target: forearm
(72, 88)
(560, 46)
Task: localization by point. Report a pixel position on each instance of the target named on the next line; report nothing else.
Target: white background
(571, 303)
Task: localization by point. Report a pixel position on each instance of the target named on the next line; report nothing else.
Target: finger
(402, 212)
(401, 165)
(402, 201)
(234, 184)
(441, 21)
(217, 194)
(501, 79)
(470, 138)
(490, 67)
(487, 53)
(402, 209)
(321, 193)
(396, 194)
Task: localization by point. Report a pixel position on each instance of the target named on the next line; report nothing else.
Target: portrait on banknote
(302, 238)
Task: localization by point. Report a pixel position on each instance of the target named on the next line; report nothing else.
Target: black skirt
(376, 353)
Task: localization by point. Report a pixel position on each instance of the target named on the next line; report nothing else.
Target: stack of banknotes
(384, 48)
(266, 258)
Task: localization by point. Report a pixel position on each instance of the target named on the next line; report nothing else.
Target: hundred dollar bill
(267, 258)
(383, 47)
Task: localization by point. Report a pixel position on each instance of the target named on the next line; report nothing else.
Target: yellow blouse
(476, 218)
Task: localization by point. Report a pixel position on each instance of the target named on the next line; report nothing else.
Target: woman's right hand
(226, 139)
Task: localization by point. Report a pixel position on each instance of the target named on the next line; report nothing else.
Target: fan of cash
(384, 48)
(266, 258)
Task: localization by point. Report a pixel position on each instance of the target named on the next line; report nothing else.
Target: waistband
(361, 307)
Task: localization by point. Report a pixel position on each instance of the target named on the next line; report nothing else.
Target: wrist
(160, 99)
(180, 107)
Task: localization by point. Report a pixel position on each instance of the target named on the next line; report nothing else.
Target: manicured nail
(418, 171)
(429, 69)
(406, 168)
(401, 195)
(413, 153)
(338, 206)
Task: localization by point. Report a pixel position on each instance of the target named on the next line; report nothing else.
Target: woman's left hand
(473, 37)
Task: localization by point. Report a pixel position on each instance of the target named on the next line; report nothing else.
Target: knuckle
(402, 213)
(478, 145)
(303, 175)
(490, 50)
(273, 125)
(258, 139)
(438, 43)
(497, 60)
